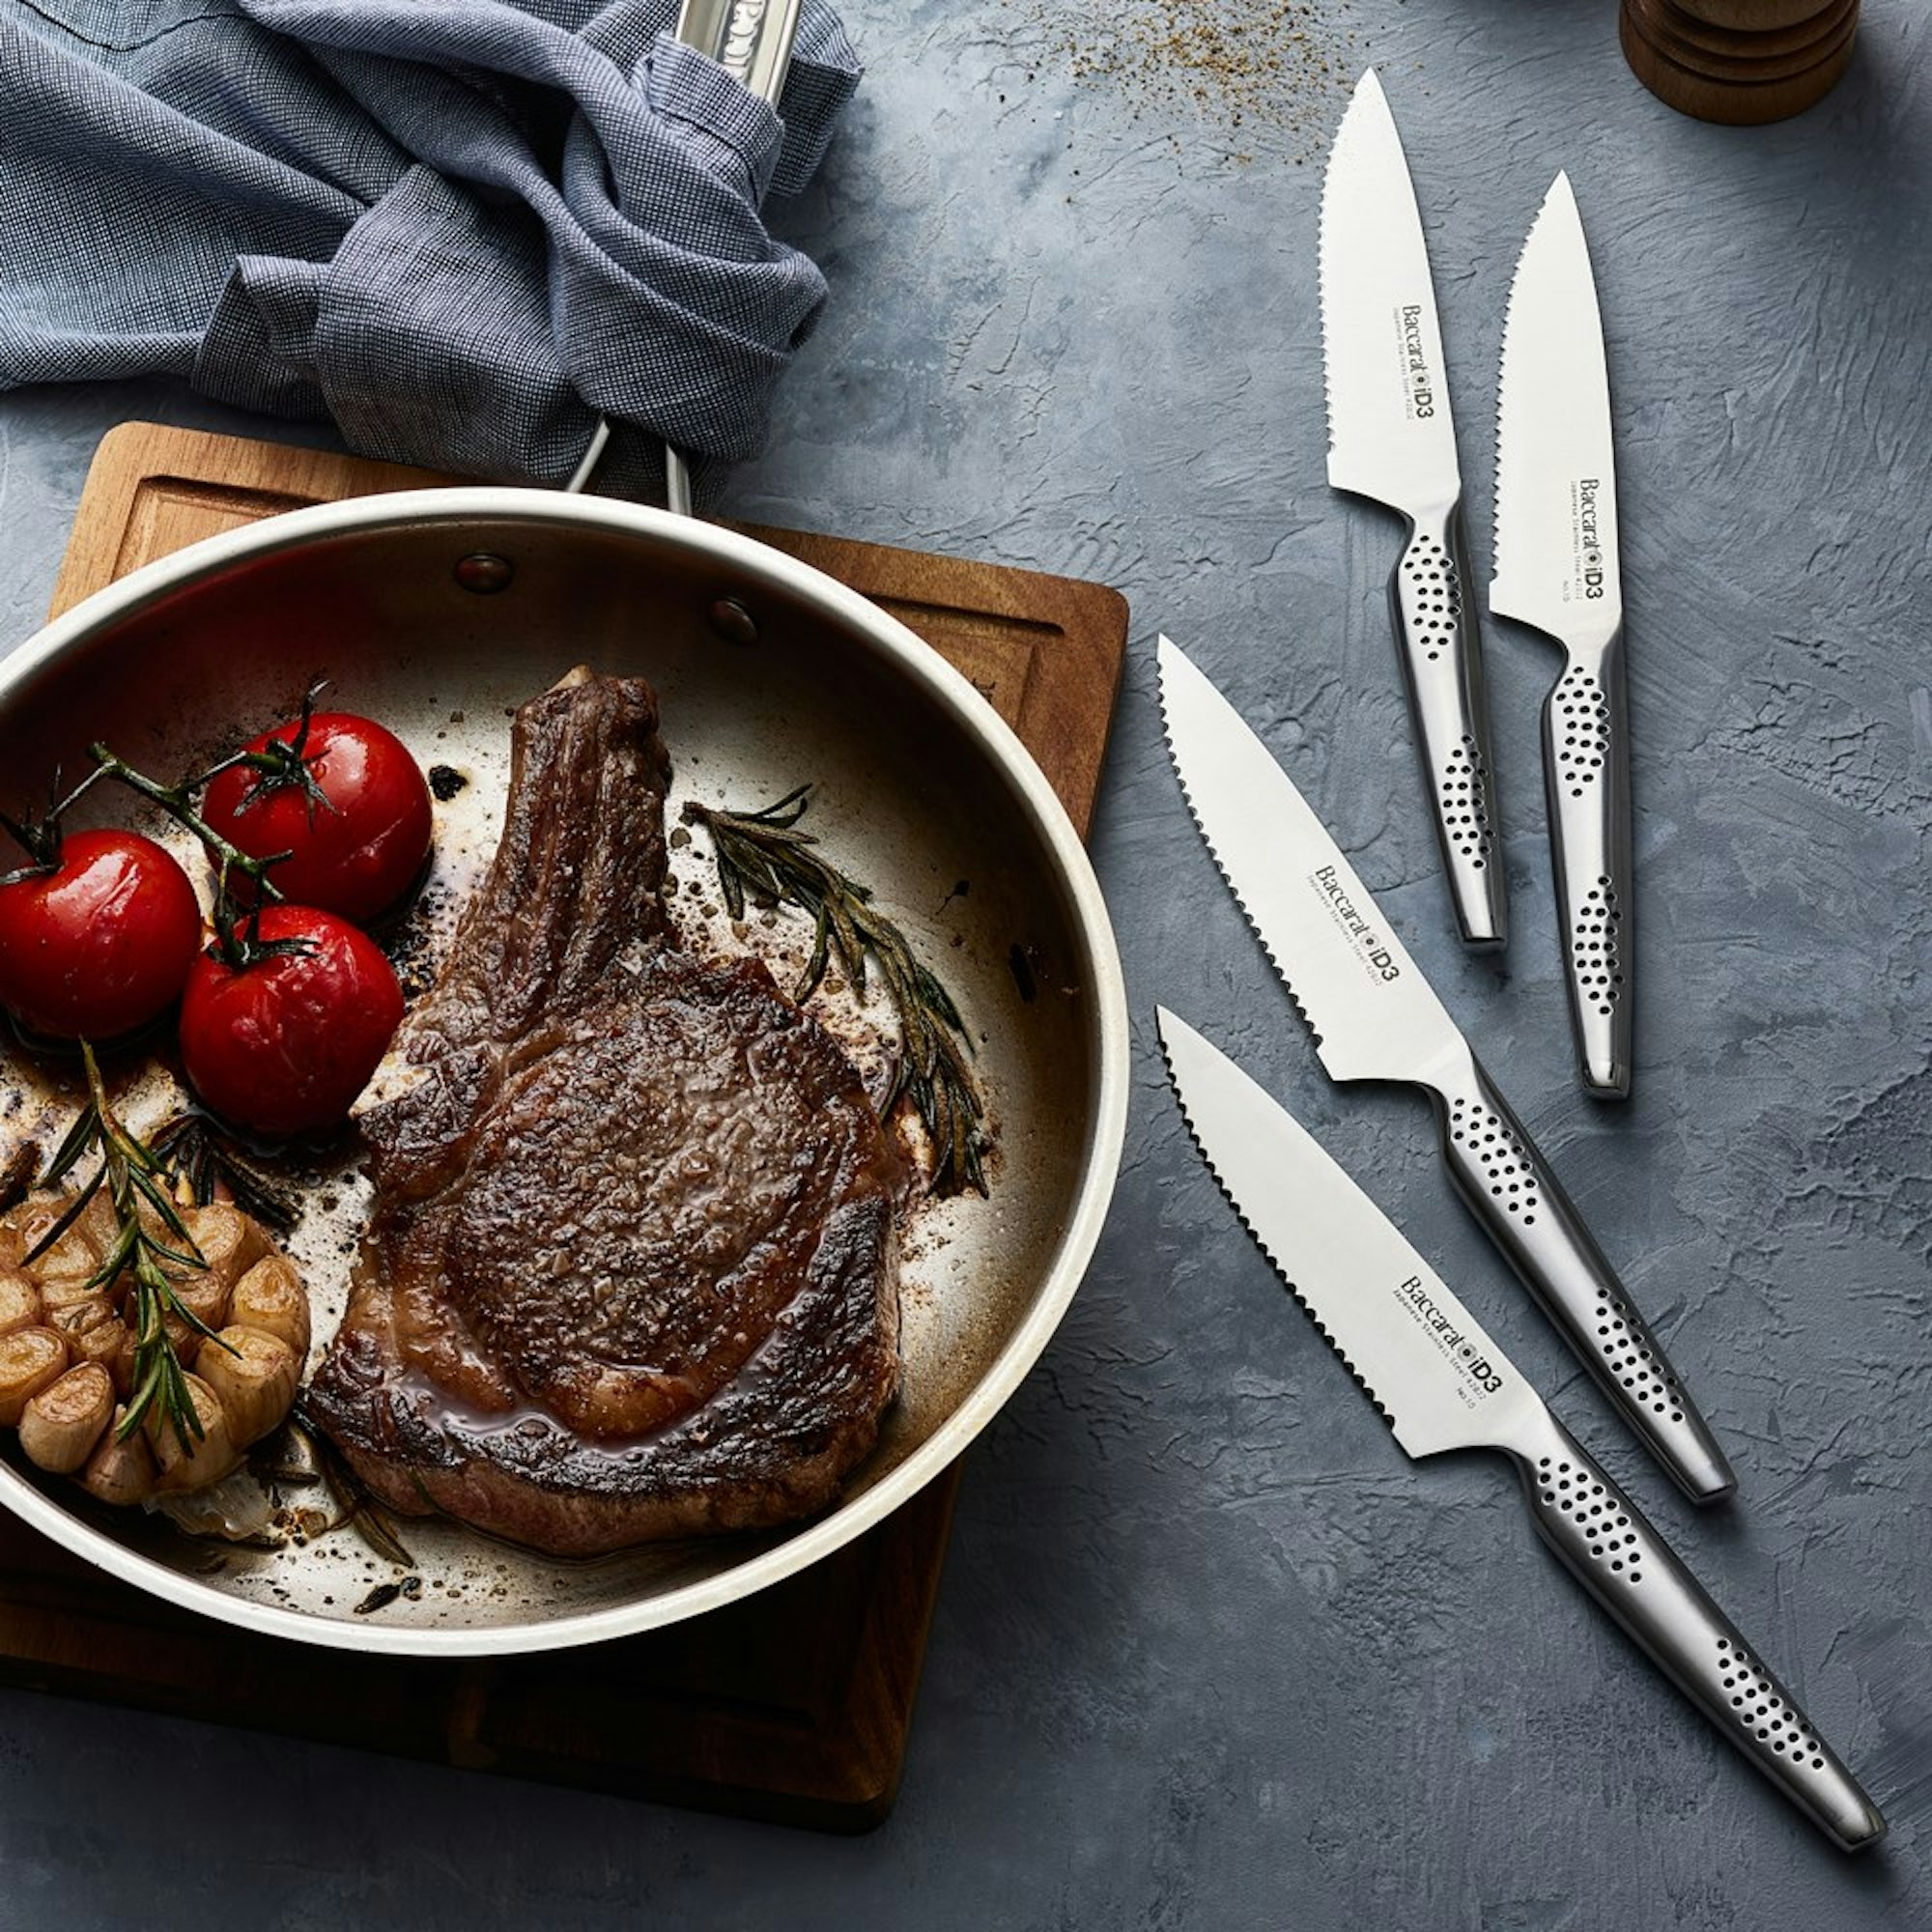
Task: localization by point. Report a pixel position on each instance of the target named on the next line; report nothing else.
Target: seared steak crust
(632, 1270)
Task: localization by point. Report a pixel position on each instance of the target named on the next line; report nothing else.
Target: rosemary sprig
(133, 1180)
(763, 857)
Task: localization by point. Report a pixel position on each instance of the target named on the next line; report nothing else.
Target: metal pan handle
(752, 40)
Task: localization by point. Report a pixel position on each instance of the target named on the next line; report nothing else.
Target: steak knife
(1390, 437)
(1375, 1017)
(1556, 570)
(1442, 1383)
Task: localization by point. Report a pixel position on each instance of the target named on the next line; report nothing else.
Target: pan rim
(911, 657)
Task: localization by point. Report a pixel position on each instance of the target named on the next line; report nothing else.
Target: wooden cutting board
(794, 1704)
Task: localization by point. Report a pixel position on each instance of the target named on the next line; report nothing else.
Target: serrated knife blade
(1556, 564)
(1391, 438)
(1419, 1356)
(1390, 433)
(1558, 569)
(1376, 1017)
(1443, 1383)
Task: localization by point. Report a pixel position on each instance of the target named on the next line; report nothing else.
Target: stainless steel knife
(1375, 1017)
(1390, 437)
(1442, 1383)
(1557, 569)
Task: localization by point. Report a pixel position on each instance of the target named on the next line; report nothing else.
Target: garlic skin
(120, 1473)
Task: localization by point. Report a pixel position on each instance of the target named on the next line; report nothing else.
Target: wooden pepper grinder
(1739, 61)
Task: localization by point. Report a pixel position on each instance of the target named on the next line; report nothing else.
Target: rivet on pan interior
(733, 622)
(485, 573)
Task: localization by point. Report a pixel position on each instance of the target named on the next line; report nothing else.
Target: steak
(632, 1270)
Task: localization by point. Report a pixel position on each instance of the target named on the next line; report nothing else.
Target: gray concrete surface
(1211, 1653)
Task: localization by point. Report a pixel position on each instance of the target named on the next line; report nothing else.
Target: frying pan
(440, 612)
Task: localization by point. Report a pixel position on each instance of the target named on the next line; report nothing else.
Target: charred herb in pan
(310, 1456)
(764, 859)
(204, 1159)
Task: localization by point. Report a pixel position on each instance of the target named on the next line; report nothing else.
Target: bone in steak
(632, 1270)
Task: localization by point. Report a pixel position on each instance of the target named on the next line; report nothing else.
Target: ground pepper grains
(1267, 76)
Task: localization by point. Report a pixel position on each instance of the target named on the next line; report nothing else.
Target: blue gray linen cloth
(463, 228)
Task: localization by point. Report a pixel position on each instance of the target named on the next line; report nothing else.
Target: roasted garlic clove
(30, 1359)
(256, 1382)
(21, 1304)
(69, 1291)
(271, 1297)
(190, 1464)
(72, 1258)
(230, 1241)
(183, 1337)
(56, 1322)
(60, 1426)
(120, 1473)
(95, 1333)
(154, 1224)
(99, 1222)
(205, 1296)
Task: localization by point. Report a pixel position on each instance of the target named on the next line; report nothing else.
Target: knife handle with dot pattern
(1586, 771)
(1507, 1185)
(1433, 605)
(1606, 1544)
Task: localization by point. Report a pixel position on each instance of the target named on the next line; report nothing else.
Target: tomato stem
(244, 946)
(279, 762)
(238, 939)
(176, 802)
(38, 837)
